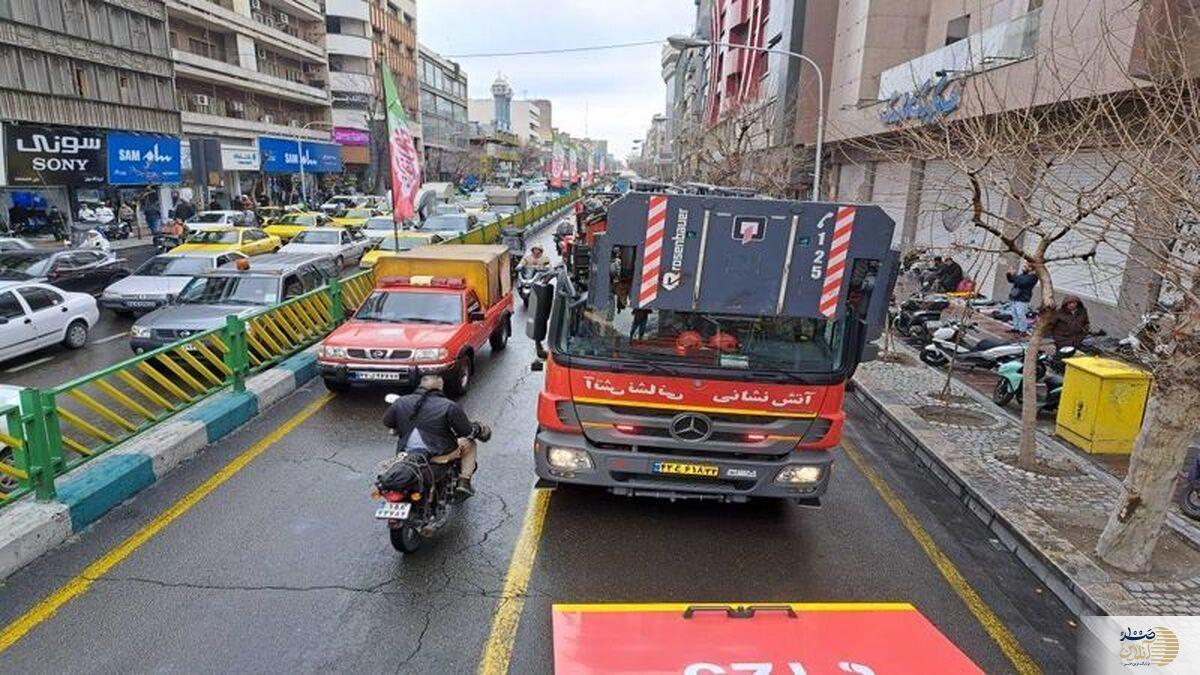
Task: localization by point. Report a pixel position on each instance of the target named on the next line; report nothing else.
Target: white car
(219, 218)
(378, 228)
(159, 280)
(342, 245)
(14, 244)
(34, 315)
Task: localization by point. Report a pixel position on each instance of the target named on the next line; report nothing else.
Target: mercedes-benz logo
(691, 427)
(378, 353)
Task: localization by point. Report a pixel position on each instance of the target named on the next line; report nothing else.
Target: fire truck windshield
(668, 338)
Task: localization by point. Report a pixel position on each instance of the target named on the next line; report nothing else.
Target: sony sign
(43, 155)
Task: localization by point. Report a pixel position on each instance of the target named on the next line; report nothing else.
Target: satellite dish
(953, 218)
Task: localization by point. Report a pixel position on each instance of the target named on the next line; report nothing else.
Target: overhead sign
(49, 155)
(934, 99)
(351, 136)
(143, 159)
(282, 155)
(239, 157)
(780, 639)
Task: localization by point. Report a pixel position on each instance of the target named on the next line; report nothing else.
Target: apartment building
(245, 71)
(443, 115)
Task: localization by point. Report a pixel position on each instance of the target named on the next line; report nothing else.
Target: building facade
(545, 116)
(77, 82)
(443, 115)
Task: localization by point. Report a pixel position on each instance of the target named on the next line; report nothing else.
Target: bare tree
(1098, 164)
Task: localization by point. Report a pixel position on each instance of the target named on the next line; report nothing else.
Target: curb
(29, 529)
(1071, 575)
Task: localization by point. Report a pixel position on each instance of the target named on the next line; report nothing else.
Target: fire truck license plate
(393, 510)
(703, 470)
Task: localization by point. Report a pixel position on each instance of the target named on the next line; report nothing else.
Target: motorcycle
(114, 229)
(914, 313)
(1049, 373)
(948, 341)
(418, 495)
(526, 277)
(165, 242)
(1189, 499)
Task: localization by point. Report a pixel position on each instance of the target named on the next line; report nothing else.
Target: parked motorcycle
(114, 229)
(1050, 370)
(950, 341)
(910, 317)
(1189, 499)
(418, 495)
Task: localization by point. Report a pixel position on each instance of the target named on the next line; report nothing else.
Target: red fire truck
(706, 353)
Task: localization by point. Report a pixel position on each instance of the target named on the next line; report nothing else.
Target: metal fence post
(237, 359)
(337, 306)
(40, 458)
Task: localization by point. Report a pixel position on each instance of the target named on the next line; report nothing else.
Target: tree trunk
(1134, 526)
(1027, 444)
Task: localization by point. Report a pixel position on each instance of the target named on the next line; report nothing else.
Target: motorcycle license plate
(380, 375)
(393, 510)
(680, 469)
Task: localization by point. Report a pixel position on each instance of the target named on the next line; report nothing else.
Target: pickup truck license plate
(678, 469)
(378, 375)
(393, 510)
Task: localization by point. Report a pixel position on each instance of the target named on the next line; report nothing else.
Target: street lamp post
(300, 159)
(682, 42)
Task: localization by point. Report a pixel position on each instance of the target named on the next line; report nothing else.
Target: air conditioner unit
(255, 5)
(200, 100)
(237, 106)
(267, 119)
(284, 19)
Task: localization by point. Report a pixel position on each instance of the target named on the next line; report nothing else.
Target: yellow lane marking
(630, 403)
(81, 583)
(497, 653)
(681, 606)
(1012, 649)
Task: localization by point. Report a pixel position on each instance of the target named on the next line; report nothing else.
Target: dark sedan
(81, 271)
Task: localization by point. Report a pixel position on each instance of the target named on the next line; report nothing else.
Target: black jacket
(1022, 286)
(949, 276)
(441, 421)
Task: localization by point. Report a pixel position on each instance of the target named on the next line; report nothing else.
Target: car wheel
(499, 337)
(76, 335)
(459, 377)
(339, 262)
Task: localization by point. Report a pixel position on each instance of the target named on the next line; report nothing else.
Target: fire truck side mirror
(537, 317)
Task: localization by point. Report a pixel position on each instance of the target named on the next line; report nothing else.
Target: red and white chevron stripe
(835, 267)
(656, 220)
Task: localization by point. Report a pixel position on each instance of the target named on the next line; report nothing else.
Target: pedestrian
(184, 209)
(58, 224)
(1019, 297)
(125, 213)
(153, 215)
(950, 276)
(1069, 325)
(641, 316)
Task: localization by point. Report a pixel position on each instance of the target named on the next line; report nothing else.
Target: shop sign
(282, 155)
(351, 136)
(143, 159)
(239, 158)
(49, 155)
(931, 101)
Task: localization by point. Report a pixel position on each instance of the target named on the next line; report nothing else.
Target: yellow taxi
(354, 218)
(287, 226)
(247, 240)
(394, 243)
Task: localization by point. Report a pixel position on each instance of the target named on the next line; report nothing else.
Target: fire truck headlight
(568, 459)
(799, 475)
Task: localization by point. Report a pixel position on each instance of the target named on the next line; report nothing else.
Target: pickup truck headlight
(430, 354)
(799, 475)
(139, 331)
(334, 352)
(568, 459)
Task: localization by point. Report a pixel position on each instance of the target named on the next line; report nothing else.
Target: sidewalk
(46, 243)
(1050, 519)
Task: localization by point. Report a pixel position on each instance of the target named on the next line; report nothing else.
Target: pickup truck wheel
(459, 378)
(499, 337)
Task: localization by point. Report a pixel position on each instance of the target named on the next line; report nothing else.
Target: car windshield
(356, 213)
(316, 237)
(208, 217)
(173, 266)
(297, 219)
(448, 223)
(231, 290)
(412, 307)
(669, 338)
(24, 265)
(214, 237)
(383, 223)
(487, 217)
(392, 243)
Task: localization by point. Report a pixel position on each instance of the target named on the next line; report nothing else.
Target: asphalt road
(282, 568)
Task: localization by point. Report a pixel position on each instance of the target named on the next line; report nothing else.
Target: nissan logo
(691, 427)
(378, 353)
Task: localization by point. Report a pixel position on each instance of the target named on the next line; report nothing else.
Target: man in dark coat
(1069, 325)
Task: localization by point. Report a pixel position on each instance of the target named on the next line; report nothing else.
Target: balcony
(217, 18)
(205, 69)
(348, 45)
(993, 47)
(349, 9)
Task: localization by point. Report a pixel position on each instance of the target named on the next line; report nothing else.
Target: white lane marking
(110, 338)
(35, 362)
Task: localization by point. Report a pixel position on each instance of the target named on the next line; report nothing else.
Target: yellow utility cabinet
(1102, 405)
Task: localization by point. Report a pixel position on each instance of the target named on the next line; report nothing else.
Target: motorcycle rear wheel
(1189, 502)
(405, 538)
(936, 359)
(1003, 394)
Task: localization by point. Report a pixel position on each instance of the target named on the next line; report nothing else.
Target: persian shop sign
(934, 99)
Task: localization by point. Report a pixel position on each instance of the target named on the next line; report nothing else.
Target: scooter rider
(536, 259)
(426, 422)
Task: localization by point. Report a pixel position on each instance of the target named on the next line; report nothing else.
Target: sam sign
(51, 155)
(143, 159)
(282, 155)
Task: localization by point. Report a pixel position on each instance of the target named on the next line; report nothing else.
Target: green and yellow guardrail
(54, 430)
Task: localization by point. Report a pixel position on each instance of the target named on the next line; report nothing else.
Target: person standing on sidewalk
(1069, 325)
(1020, 295)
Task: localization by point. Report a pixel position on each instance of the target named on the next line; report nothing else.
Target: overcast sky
(620, 89)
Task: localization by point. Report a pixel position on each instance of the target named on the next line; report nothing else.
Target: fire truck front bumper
(572, 459)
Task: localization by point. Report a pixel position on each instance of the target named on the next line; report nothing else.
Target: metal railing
(55, 430)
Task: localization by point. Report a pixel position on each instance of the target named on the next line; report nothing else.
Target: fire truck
(706, 352)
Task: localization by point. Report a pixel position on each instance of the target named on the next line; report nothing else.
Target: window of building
(408, 20)
(333, 25)
(1035, 4)
(83, 84)
(957, 29)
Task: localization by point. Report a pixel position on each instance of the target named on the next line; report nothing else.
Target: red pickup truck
(432, 311)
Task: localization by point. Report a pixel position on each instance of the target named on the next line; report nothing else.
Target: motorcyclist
(535, 259)
(426, 422)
